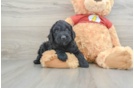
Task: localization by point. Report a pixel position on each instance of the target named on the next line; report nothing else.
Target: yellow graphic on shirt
(94, 18)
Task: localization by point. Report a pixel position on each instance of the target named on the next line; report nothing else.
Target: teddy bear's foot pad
(118, 57)
(121, 58)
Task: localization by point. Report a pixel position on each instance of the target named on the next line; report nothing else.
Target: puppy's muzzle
(63, 37)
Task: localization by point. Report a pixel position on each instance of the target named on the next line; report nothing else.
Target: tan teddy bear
(95, 36)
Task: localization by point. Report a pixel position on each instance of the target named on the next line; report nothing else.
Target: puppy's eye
(66, 29)
(56, 31)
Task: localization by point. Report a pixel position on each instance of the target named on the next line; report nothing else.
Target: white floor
(24, 74)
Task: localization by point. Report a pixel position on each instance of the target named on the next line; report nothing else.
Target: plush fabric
(98, 43)
(80, 7)
(49, 59)
(118, 57)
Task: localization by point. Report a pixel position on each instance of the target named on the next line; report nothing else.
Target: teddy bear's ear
(73, 1)
(79, 7)
(112, 2)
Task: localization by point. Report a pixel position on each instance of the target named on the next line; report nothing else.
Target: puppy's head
(61, 33)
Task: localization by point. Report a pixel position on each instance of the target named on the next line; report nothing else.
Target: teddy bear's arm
(114, 37)
(70, 21)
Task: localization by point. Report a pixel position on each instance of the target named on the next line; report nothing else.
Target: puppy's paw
(61, 55)
(36, 62)
(84, 64)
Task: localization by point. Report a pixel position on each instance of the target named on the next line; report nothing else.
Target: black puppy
(61, 39)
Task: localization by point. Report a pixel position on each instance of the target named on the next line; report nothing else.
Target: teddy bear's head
(99, 7)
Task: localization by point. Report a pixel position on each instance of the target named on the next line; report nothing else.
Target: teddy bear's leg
(49, 59)
(118, 57)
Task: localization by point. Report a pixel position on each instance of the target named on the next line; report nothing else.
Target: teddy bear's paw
(72, 61)
(120, 58)
(131, 52)
(42, 63)
(47, 56)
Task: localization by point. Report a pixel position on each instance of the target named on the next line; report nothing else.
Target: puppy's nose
(63, 37)
(98, 0)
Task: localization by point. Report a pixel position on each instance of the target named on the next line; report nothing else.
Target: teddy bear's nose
(97, 0)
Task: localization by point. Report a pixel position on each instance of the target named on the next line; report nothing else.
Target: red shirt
(91, 19)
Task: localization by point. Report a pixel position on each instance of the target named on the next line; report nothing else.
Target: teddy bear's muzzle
(95, 5)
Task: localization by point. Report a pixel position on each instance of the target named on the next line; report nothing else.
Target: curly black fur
(61, 39)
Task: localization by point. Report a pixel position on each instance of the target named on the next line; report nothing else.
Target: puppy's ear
(50, 36)
(72, 32)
